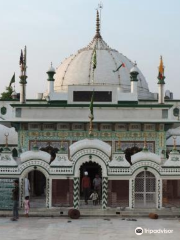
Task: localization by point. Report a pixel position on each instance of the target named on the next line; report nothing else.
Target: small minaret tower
(134, 80)
(50, 79)
(161, 82)
(23, 77)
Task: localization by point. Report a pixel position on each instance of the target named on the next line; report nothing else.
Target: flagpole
(92, 81)
(91, 127)
(91, 116)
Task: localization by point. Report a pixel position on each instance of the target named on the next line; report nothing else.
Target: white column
(50, 87)
(161, 93)
(22, 93)
(134, 87)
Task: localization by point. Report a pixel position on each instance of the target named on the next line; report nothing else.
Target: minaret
(23, 77)
(161, 82)
(50, 79)
(134, 80)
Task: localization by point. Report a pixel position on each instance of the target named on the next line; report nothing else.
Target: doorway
(145, 190)
(37, 182)
(93, 169)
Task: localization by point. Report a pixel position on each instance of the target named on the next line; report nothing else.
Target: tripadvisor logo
(139, 231)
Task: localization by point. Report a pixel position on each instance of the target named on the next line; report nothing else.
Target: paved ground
(86, 229)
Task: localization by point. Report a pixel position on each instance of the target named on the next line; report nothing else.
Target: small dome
(14, 93)
(51, 69)
(134, 69)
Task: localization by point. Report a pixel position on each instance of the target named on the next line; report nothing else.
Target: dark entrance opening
(37, 182)
(131, 151)
(52, 151)
(92, 168)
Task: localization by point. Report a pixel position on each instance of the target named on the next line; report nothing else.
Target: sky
(54, 29)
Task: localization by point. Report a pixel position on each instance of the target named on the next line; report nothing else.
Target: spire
(174, 145)
(23, 75)
(161, 76)
(6, 148)
(98, 35)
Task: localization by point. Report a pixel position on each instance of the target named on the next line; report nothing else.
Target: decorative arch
(84, 159)
(93, 155)
(86, 155)
(32, 165)
(90, 144)
(39, 164)
(140, 166)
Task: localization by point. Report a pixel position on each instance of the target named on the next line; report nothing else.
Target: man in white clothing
(26, 187)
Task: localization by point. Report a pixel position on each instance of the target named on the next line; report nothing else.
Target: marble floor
(86, 229)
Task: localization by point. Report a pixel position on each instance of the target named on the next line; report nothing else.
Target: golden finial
(174, 139)
(35, 146)
(91, 127)
(6, 135)
(62, 148)
(119, 142)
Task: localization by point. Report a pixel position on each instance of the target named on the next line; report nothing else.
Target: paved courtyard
(86, 229)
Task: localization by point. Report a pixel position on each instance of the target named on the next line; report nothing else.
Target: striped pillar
(76, 193)
(104, 192)
(47, 192)
(21, 192)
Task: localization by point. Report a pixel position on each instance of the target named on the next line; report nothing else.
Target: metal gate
(145, 190)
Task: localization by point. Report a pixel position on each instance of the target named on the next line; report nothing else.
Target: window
(99, 96)
(165, 113)
(18, 112)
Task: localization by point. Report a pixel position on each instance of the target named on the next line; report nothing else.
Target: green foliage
(7, 95)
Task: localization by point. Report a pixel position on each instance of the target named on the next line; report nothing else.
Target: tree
(7, 95)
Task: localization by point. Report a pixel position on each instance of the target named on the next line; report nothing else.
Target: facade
(123, 140)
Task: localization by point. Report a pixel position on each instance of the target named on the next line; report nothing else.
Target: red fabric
(86, 182)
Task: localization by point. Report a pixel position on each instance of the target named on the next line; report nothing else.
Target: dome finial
(98, 35)
(161, 76)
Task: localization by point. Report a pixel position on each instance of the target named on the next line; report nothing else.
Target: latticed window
(145, 190)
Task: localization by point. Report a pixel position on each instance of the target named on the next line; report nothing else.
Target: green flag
(122, 65)
(94, 60)
(91, 106)
(12, 80)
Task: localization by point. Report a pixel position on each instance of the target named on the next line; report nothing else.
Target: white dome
(51, 69)
(78, 69)
(12, 138)
(134, 69)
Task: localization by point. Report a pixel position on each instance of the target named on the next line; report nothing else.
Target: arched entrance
(37, 182)
(93, 170)
(145, 190)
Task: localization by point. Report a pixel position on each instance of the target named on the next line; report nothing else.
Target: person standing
(86, 184)
(26, 206)
(94, 197)
(97, 182)
(26, 187)
(15, 198)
